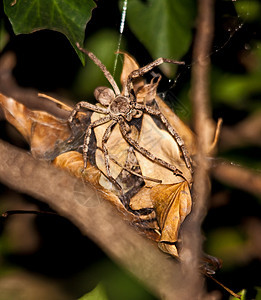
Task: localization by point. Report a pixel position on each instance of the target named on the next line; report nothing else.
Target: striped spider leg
(121, 109)
(140, 72)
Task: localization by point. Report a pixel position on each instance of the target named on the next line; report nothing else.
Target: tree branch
(246, 132)
(239, 177)
(203, 126)
(96, 218)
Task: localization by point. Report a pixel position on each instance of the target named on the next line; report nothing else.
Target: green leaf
(66, 16)
(96, 294)
(164, 27)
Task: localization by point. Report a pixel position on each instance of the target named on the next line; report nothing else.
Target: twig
(99, 221)
(216, 137)
(224, 287)
(246, 132)
(239, 177)
(191, 235)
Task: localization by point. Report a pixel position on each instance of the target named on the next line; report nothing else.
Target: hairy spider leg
(103, 69)
(77, 108)
(179, 141)
(86, 105)
(143, 70)
(131, 171)
(138, 73)
(88, 136)
(134, 74)
(135, 173)
(144, 151)
(171, 130)
(105, 138)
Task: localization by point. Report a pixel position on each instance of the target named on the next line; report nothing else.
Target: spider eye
(104, 95)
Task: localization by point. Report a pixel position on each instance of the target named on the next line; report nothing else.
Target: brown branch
(96, 218)
(239, 177)
(203, 126)
(244, 133)
(159, 272)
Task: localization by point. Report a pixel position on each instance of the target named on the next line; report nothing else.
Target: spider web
(230, 22)
(233, 24)
(232, 18)
(121, 29)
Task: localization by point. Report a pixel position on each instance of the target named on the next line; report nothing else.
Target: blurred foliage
(242, 294)
(4, 37)
(102, 43)
(117, 282)
(225, 242)
(97, 294)
(248, 10)
(153, 29)
(240, 89)
(258, 296)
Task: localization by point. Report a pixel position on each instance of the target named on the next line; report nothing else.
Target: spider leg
(105, 71)
(105, 138)
(72, 118)
(144, 151)
(141, 71)
(171, 130)
(135, 173)
(86, 105)
(88, 136)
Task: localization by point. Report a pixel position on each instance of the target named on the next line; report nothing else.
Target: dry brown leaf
(129, 65)
(73, 162)
(160, 143)
(156, 209)
(185, 132)
(171, 203)
(40, 129)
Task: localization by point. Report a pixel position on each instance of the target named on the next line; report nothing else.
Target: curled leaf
(152, 197)
(141, 89)
(41, 130)
(171, 203)
(73, 162)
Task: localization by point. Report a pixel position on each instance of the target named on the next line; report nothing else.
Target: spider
(121, 109)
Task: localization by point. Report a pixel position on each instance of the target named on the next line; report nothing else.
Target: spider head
(104, 95)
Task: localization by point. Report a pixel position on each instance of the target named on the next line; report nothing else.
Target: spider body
(120, 106)
(120, 109)
(117, 105)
